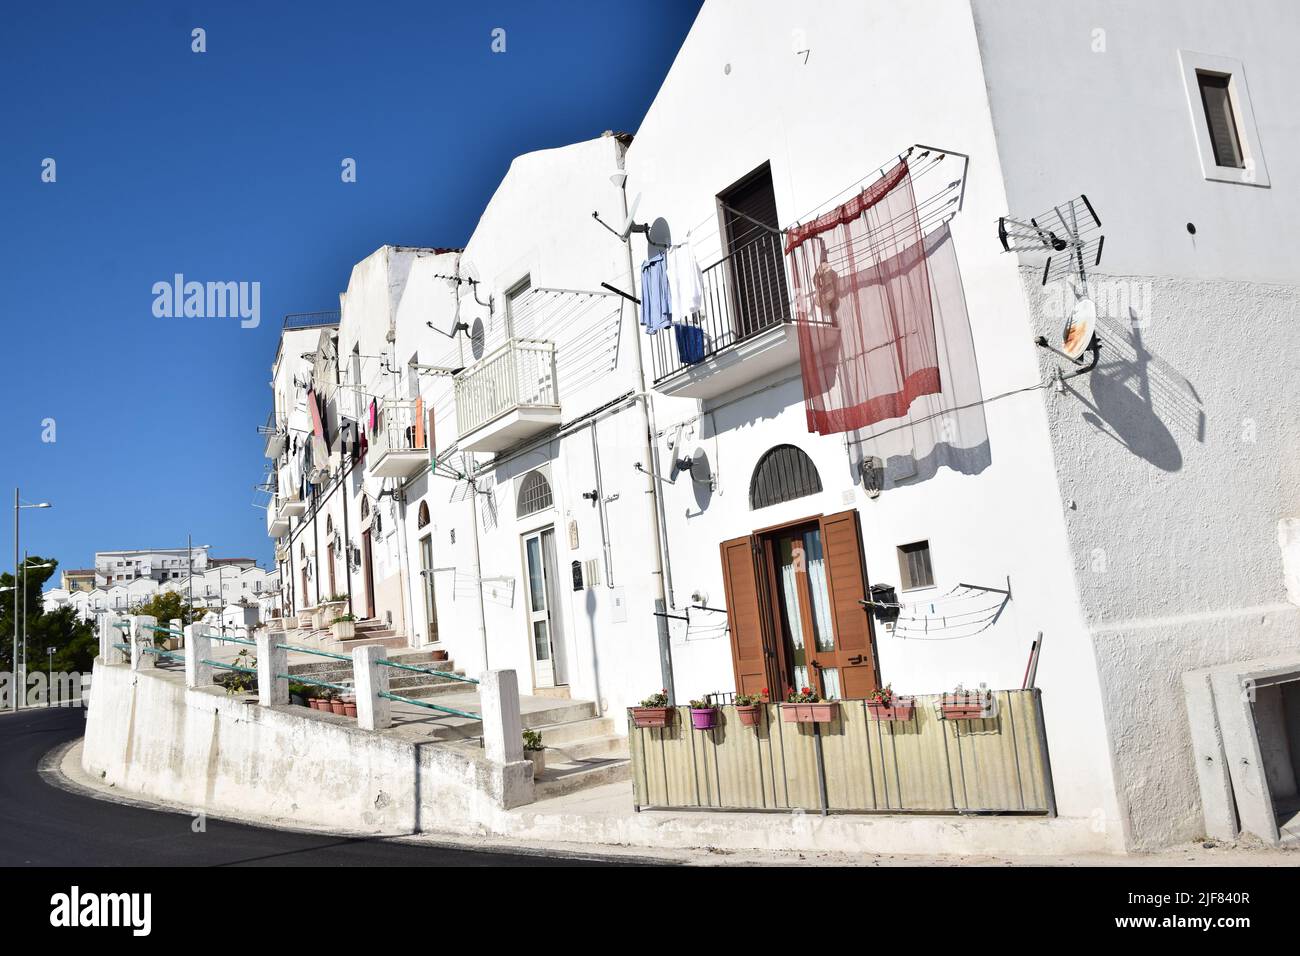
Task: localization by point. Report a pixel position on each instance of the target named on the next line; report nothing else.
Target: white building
(160, 565)
(1126, 512)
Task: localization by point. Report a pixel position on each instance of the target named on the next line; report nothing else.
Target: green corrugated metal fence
(925, 765)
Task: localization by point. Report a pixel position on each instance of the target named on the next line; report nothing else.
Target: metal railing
(311, 320)
(745, 293)
(519, 374)
(398, 431)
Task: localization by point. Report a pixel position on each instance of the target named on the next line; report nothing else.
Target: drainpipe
(347, 534)
(648, 431)
(479, 607)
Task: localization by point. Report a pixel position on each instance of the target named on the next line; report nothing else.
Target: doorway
(545, 627)
(368, 572)
(794, 611)
(426, 572)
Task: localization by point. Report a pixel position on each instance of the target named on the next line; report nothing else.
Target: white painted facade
(1105, 505)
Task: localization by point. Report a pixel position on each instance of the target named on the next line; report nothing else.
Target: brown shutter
(745, 616)
(842, 542)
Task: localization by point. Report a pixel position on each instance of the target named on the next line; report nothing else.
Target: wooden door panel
(847, 580)
(745, 616)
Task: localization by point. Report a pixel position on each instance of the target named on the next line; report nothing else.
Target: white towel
(685, 282)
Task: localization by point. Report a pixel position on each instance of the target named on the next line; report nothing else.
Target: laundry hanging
(863, 305)
(656, 303)
(685, 282)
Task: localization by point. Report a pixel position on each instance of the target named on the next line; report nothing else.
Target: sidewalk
(610, 807)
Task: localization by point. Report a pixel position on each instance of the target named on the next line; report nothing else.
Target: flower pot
(748, 714)
(538, 758)
(344, 630)
(900, 708)
(652, 716)
(704, 718)
(314, 703)
(349, 708)
(808, 713)
(337, 707)
(965, 710)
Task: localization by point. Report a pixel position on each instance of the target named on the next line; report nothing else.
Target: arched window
(365, 508)
(782, 474)
(534, 494)
(329, 524)
(422, 517)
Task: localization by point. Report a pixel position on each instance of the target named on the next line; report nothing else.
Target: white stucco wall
(1179, 449)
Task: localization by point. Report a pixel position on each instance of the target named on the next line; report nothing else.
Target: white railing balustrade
(400, 430)
(519, 374)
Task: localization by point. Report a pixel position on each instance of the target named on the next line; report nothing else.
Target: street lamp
(49, 690)
(18, 506)
(28, 566)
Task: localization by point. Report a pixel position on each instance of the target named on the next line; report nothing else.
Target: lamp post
(27, 566)
(49, 692)
(18, 507)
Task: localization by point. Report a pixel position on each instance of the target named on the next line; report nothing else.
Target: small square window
(914, 567)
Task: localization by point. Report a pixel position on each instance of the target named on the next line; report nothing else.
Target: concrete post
(370, 678)
(503, 728)
(142, 637)
(110, 634)
(175, 625)
(198, 648)
(271, 661)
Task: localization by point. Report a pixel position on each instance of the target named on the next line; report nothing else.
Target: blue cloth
(656, 307)
(690, 343)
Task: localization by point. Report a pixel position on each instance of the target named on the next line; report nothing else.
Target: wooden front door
(794, 609)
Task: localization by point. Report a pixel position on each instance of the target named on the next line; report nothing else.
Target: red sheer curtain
(863, 308)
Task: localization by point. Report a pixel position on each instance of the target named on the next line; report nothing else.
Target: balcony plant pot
(964, 710)
(902, 708)
(809, 713)
(344, 630)
(314, 703)
(749, 715)
(538, 760)
(338, 707)
(704, 718)
(349, 707)
(652, 716)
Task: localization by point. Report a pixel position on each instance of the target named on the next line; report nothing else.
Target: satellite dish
(630, 221)
(477, 338)
(697, 466)
(1079, 329)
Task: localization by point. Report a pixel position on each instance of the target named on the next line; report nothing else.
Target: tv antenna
(1069, 234)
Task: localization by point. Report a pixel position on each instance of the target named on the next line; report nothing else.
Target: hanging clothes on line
(685, 282)
(862, 301)
(656, 302)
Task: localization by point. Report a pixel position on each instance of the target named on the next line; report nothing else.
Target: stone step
(574, 751)
(568, 777)
(569, 732)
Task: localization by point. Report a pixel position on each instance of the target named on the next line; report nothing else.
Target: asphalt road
(44, 825)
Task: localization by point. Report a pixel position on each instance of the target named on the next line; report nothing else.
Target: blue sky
(225, 166)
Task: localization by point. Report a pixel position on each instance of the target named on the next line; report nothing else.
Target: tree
(167, 606)
(72, 640)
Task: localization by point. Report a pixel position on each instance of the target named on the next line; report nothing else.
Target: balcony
(292, 506)
(277, 523)
(508, 397)
(400, 449)
(277, 436)
(746, 330)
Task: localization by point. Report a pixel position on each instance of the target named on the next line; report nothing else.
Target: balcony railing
(400, 447)
(746, 293)
(507, 396)
(311, 320)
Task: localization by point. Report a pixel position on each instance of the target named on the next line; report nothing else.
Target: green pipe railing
(425, 703)
(426, 670)
(313, 650)
(298, 678)
(163, 630)
(154, 650)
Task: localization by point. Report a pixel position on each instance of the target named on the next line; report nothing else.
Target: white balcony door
(545, 631)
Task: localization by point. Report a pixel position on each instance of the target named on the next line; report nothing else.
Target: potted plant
(336, 703)
(806, 706)
(535, 751)
(884, 704)
(704, 716)
(962, 704)
(344, 627)
(750, 706)
(349, 705)
(653, 712)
